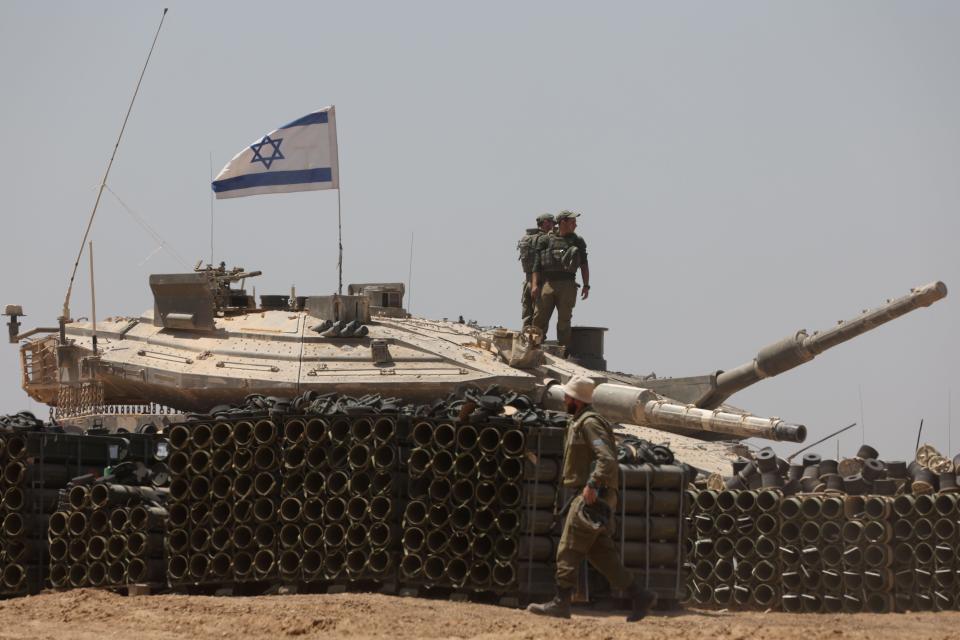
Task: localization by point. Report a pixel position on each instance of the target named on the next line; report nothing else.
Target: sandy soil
(89, 615)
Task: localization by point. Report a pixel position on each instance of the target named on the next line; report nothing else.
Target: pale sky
(744, 170)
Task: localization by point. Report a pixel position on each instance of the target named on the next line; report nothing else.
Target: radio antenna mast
(103, 183)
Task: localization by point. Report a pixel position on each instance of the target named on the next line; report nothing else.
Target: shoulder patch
(597, 443)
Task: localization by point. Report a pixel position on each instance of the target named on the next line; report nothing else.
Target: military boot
(641, 601)
(559, 607)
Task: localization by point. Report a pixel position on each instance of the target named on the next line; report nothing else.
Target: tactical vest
(527, 246)
(577, 456)
(560, 254)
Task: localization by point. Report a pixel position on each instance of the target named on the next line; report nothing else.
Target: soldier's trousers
(579, 541)
(562, 296)
(526, 304)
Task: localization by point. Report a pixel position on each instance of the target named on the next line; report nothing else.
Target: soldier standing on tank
(554, 285)
(590, 466)
(527, 246)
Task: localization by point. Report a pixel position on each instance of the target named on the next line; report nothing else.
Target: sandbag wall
(107, 534)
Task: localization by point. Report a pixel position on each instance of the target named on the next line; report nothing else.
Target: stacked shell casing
(35, 466)
(350, 486)
(734, 548)
(819, 564)
(291, 499)
(480, 510)
(29, 496)
(108, 534)
(648, 529)
(925, 551)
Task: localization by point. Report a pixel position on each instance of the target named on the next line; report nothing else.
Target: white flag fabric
(301, 156)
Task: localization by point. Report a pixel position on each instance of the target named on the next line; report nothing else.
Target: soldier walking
(590, 465)
(554, 286)
(527, 246)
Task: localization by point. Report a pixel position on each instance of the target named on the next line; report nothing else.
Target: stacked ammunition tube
(108, 535)
(734, 548)
(926, 562)
(29, 496)
(351, 510)
(480, 512)
(35, 465)
(224, 502)
(820, 560)
(648, 527)
(296, 499)
(824, 552)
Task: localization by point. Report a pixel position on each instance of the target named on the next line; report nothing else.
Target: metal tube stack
(814, 563)
(29, 496)
(108, 534)
(733, 551)
(361, 537)
(479, 515)
(225, 494)
(292, 499)
(925, 551)
(36, 464)
(649, 524)
(881, 537)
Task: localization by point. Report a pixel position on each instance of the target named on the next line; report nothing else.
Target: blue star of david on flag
(275, 154)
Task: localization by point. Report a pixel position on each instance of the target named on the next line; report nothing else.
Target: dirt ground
(98, 615)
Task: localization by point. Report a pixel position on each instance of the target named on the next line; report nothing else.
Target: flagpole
(340, 244)
(211, 209)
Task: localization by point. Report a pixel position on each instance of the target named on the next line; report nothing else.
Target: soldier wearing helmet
(527, 246)
(590, 466)
(553, 286)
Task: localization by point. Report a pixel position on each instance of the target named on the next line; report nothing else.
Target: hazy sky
(744, 169)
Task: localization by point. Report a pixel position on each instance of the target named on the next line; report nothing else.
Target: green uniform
(589, 456)
(557, 260)
(527, 247)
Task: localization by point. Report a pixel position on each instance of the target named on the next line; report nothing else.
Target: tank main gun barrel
(799, 348)
(643, 407)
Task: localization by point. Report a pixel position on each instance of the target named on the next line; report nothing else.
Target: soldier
(527, 246)
(559, 255)
(590, 465)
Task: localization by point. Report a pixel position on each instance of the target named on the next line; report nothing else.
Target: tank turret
(207, 343)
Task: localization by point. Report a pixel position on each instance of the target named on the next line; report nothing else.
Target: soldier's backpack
(528, 250)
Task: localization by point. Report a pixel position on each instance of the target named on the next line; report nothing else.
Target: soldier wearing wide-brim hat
(527, 247)
(590, 466)
(554, 284)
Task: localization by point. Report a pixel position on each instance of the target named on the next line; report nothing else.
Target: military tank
(207, 342)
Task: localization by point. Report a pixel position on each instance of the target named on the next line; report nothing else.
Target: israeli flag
(301, 156)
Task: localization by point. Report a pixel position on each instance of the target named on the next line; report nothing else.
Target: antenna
(863, 425)
(824, 439)
(93, 301)
(410, 278)
(103, 183)
(919, 431)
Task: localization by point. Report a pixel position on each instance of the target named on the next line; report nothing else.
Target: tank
(206, 342)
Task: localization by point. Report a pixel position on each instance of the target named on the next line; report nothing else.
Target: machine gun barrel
(634, 405)
(799, 348)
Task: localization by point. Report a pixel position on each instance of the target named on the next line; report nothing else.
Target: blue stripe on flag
(319, 117)
(273, 178)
